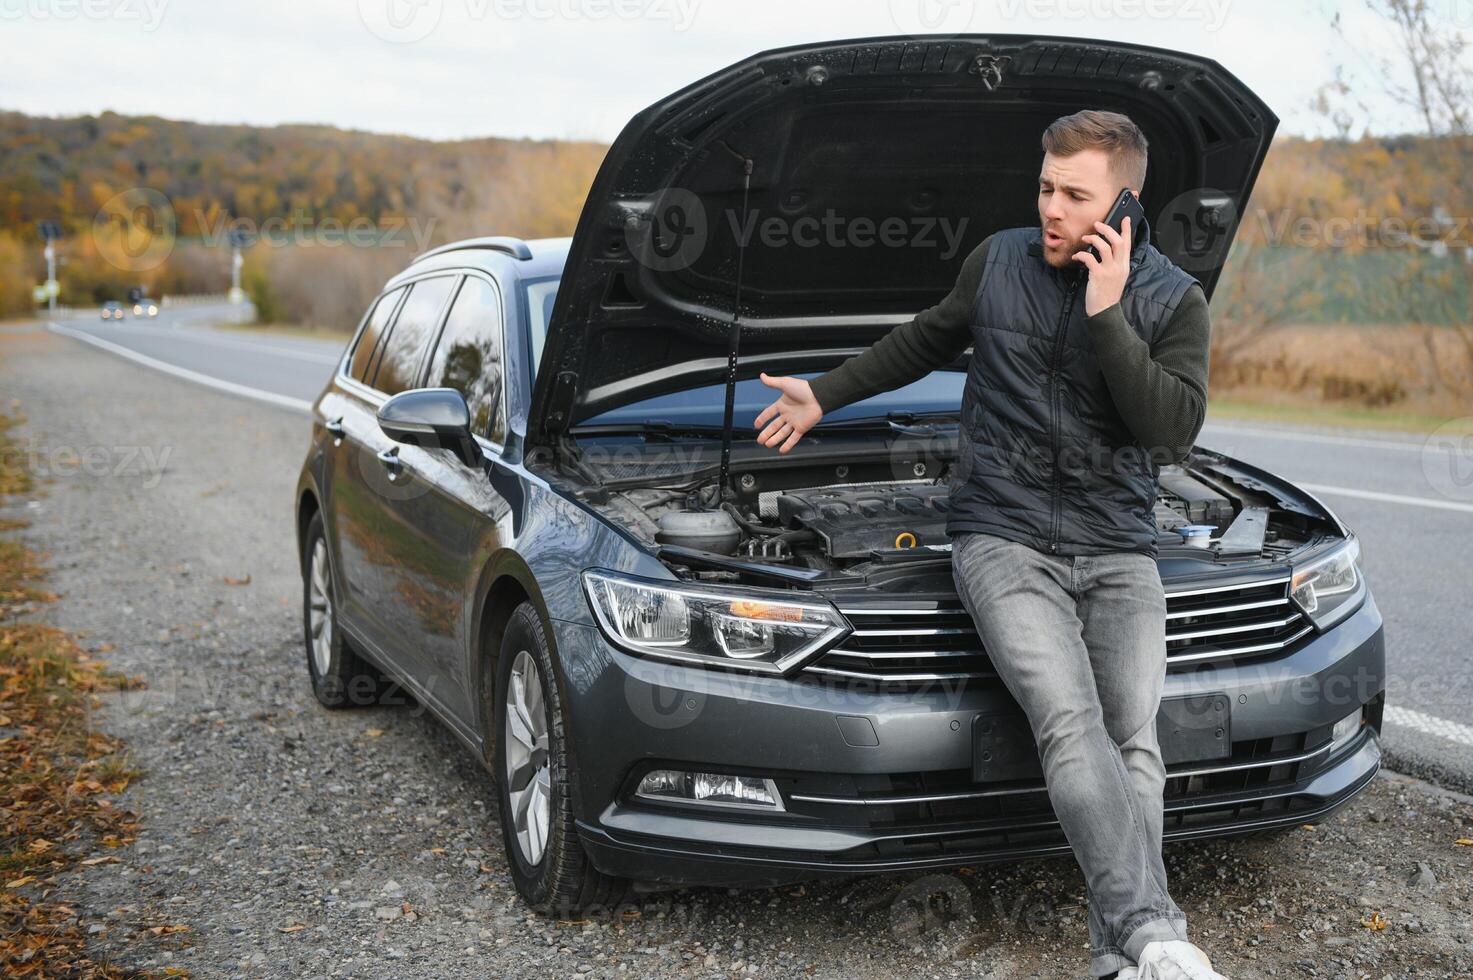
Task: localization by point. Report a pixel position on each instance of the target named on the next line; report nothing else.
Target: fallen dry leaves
(168, 930)
(56, 770)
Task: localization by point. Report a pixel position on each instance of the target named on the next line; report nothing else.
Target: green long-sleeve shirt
(1160, 390)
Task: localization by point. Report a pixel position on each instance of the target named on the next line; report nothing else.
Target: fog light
(1346, 729)
(710, 789)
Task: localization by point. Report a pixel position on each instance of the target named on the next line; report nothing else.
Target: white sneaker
(1131, 972)
(1175, 959)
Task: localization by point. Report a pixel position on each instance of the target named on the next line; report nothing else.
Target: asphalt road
(288, 840)
(290, 371)
(1409, 499)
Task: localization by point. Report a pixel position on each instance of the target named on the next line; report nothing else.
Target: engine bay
(777, 517)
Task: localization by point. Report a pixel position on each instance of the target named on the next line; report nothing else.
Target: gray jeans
(1080, 643)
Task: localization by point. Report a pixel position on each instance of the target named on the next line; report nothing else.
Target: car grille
(1262, 777)
(908, 642)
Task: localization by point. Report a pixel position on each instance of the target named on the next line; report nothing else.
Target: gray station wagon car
(534, 499)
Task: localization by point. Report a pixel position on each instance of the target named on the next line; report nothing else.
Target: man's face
(1073, 193)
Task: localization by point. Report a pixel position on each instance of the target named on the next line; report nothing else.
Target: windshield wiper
(916, 423)
(653, 429)
(911, 422)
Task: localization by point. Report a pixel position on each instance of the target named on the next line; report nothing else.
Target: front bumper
(907, 801)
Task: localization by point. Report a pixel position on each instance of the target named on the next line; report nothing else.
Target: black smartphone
(1127, 205)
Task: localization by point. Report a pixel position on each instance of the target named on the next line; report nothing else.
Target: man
(1072, 402)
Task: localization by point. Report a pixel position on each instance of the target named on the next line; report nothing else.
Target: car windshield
(539, 294)
(937, 392)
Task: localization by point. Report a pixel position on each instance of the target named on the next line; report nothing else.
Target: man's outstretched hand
(790, 416)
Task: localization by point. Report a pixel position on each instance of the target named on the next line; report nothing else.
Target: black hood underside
(860, 173)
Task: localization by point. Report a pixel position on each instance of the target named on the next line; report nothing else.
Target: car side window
(468, 355)
(372, 331)
(398, 365)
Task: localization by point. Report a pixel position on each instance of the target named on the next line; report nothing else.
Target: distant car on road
(687, 659)
(112, 310)
(145, 308)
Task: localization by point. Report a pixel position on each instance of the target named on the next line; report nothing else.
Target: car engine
(843, 525)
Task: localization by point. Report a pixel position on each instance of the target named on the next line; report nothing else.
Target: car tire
(535, 795)
(340, 677)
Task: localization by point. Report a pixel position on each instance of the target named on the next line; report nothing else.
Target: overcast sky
(448, 69)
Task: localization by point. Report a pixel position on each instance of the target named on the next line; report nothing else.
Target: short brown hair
(1112, 132)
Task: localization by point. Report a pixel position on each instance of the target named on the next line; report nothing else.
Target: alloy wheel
(320, 609)
(528, 776)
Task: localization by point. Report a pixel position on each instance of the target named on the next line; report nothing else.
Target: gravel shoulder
(295, 841)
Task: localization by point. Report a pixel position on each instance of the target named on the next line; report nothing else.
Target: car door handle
(390, 458)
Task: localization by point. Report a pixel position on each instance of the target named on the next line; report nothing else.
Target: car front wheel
(535, 778)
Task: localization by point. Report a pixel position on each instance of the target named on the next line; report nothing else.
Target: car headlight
(762, 630)
(1329, 588)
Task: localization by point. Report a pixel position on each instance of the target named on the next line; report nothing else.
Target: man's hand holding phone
(788, 418)
(1107, 256)
(1107, 275)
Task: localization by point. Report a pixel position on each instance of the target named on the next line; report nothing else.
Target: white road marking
(1394, 444)
(206, 336)
(219, 384)
(1430, 724)
(1391, 498)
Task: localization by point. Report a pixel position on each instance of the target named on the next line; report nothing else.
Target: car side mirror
(432, 418)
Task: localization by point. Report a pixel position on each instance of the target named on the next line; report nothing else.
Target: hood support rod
(734, 343)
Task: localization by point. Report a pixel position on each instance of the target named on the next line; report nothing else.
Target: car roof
(525, 258)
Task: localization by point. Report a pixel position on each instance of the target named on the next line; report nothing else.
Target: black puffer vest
(1045, 458)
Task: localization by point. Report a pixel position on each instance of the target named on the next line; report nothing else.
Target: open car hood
(863, 172)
